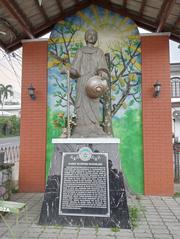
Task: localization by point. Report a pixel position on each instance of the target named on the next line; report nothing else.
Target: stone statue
(90, 69)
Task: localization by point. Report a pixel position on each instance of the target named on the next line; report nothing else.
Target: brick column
(33, 117)
(157, 129)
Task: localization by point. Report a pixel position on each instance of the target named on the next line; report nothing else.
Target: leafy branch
(125, 79)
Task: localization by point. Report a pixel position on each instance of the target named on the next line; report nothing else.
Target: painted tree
(126, 75)
(124, 86)
(62, 50)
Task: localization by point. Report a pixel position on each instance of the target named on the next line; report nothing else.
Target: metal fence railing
(9, 154)
(177, 163)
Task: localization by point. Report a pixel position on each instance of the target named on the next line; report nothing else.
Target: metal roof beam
(48, 26)
(175, 37)
(67, 12)
(18, 15)
(59, 3)
(177, 22)
(142, 7)
(120, 10)
(41, 10)
(2, 45)
(8, 26)
(111, 6)
(125, 3)
(164, 13)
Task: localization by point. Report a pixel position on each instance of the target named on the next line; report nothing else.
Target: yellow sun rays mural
(118, 37)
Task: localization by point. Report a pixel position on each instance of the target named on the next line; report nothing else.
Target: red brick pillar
(33, 117)
(157, 129)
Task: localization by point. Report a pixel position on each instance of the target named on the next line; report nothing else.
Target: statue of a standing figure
(90, 69)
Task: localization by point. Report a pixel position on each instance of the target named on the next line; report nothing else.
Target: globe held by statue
(96, 87)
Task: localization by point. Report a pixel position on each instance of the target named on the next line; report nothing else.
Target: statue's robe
(87, 62)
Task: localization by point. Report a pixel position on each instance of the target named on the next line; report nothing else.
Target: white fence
(9, 154)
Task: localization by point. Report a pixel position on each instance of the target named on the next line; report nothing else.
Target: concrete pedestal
(85, 185)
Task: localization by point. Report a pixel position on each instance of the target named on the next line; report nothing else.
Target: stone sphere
(96, 87)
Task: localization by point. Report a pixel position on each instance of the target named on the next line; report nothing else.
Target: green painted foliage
(129, 128)
(53, 131)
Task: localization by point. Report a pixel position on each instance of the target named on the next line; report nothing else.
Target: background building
(175, 93)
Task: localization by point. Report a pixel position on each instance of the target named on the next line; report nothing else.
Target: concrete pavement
(158, 218)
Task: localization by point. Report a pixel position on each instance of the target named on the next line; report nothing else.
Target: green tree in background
(9, 126)
(5, 92)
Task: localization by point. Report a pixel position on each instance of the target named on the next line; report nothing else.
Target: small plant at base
(176, 195)
(115, 229)
(56, 226)
(78, 231)
(133, 213)
(15, 190)
(97, 229)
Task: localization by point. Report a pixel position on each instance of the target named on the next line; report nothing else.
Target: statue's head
(91, 36)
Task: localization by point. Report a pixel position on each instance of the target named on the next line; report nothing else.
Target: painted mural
(118, 37)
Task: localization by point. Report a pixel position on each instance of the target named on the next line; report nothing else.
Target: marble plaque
(84, 189)
(75, 166)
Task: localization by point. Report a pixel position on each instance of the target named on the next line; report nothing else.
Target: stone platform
(158, 218)
(85, 186)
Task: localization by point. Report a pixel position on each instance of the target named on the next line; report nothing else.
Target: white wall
(176, 124)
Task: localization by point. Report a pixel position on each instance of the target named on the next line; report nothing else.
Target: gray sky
(174, 52)
(10, 70)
